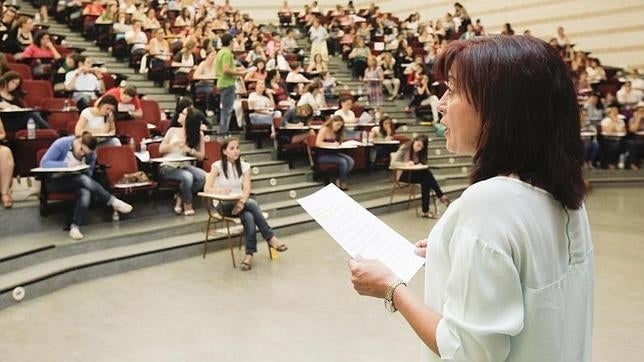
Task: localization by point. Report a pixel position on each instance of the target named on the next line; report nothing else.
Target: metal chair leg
(230, 244)
(205, 242)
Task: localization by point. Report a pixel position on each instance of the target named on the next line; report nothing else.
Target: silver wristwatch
(389, 295)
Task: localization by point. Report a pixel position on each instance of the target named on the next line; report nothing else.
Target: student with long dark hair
(509, 266)
(415, 153)
(331, 135)
(11, 99)
(184, 141)
(231, 175)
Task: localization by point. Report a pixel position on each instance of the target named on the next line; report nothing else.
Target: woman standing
(374, 76)
(185, 141)
(509, 271)
(231, 176)
(330, 136)
(318, 36)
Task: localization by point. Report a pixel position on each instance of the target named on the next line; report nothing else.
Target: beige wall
(612, 29)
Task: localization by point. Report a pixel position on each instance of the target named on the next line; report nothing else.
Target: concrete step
(257, 155)
(451, 168)
(46, 277)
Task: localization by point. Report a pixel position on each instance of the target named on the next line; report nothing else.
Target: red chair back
(213, 154)
(36, 91)
(26, 150)
(137, 130)
(119, 161)
(151, 111)
(56, 104)
(23, 69)
(60, 121)
(153, 149)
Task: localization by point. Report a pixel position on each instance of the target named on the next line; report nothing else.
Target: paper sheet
(360, 232)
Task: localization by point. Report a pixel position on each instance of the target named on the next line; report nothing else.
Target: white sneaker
(75, 233)
(121, 206)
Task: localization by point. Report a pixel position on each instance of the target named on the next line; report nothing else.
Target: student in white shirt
(509, 266)
(231, 176)
(262, 107)
(99, 121)
(83, 81)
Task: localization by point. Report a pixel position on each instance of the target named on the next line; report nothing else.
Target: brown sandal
(428, 215)
(246, 266)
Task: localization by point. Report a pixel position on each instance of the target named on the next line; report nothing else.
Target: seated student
(84, 81)
(185, 141)
(185, 59)
(150, 21)
(278, 61)
(20, 35)
(262, 107)
(318, 65)
(635, 143)
(257, 73)
(330, 135)
(275, 88)
(73, 151)
(345, 111)
(205, 76)
(415, 153)
(99, 121)
(296, 116)
(613, 130)
(423, 96)
(42, 48)
(589, 138)
(231, 176)
(6, 170)
(129, 104)
(137, 38)
(359, 56)
(159, 55)
(295, 75)
(11, 98)
(314, 97)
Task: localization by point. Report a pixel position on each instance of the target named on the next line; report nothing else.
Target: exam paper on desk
(360, 232)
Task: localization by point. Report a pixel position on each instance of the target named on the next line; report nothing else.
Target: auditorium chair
(25, 150)
(36, 91)
(22, 69)
(324, 169)
(213, 154)
(118, 161)
(135, 130)
(45, 196)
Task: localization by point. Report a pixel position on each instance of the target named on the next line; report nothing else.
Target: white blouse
(511, 272)
(233, 181)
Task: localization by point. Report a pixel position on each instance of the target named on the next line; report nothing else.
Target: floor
(300, 307)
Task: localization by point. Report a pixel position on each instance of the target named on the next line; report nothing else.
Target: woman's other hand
(421, 248)
(370, 277)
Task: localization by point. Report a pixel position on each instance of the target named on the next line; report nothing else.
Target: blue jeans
(191, 180)
(85, 188)
(344, 163)
(261, 119)
(227, 96)
(251, 217)
(427, 181)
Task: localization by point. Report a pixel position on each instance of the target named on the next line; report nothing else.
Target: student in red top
(95, 8)
(129, 101)
(42, 47)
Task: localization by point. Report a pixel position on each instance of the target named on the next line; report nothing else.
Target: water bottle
(115, 216)
(622, 161)
(360, 90)
(66, 105)
(31, 129)
(144, 145)
(364, 138)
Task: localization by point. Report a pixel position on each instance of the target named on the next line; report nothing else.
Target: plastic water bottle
(365, 138)
(31, 129)
(115, 216)
(144, 145)
(66, 105)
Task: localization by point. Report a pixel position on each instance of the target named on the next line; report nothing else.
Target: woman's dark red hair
(525, 97)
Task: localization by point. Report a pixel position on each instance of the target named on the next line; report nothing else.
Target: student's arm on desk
(319, 140)
(54, 157)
